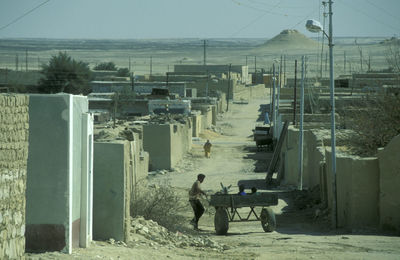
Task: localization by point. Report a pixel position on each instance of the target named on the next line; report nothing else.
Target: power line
(367, 15)
(276, 5)
(261, 10)
(383, 10)
(305, 18)
(23, 15)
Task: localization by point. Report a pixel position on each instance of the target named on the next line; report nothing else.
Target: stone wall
(14, 125)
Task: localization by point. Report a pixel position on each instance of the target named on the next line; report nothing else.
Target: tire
(268, 221)
(221, 221)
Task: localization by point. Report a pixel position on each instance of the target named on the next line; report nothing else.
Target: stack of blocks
(14, 131)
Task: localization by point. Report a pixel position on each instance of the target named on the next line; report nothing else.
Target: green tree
(110, 66)
(123, 72)
(64, 74)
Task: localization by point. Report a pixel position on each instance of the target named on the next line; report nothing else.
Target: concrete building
(59, 182)
(14, 132)
(178, 88)
(377, 80)
(242, 71)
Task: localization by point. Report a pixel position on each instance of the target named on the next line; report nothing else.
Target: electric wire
(367, 15)
(261, 9)
(23, 15)
(275, 5)
(383, 10)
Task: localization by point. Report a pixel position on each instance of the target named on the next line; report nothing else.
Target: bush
(123, 72)
(110, 66)
(160, 204)
(376, 124)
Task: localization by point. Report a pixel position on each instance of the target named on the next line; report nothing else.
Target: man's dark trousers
(198, 209)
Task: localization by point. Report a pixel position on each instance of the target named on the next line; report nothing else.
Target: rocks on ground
(148, 232)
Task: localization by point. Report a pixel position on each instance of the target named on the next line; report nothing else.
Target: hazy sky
(190, 18)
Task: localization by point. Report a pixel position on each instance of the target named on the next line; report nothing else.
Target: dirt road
(299, 234)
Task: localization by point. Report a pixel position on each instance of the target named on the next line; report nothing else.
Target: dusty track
(299, 235)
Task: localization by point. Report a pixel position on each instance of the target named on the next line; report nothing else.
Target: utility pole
(255, 68)
(333, 125)
(295, 93)
(300, 177)
(280, 73)
(344, 62)
(132, 82)
(167, 74)
(129, 63)
(26, 60)
(322, 46)
(284, 70)
(16, 62)
(151, 66)
(38, 63)
(274, 99)
(229, 87)
(326, 62)
(207, 84)
(204, 45)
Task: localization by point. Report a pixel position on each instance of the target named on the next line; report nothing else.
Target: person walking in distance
(207, 149)
(194, 199)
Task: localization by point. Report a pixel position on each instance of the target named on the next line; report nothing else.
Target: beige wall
(181, 142)
(139, 166)
(111, 172)
(166, 144)
(389, 165)
(196, 125)
(357, 183)
(14, 125)
(313, 156)
(367, 188)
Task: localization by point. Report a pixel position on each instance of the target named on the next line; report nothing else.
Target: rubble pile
(158, 235)
(168, 119)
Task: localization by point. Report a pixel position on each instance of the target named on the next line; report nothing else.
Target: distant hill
(289, 39)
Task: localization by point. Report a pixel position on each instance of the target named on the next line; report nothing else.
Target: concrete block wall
(14, 132)
(111, 190)
(389, 197)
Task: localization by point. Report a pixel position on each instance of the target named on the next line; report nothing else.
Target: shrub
(376, 124)
(123, 72)
(110, 66)
(160, 204)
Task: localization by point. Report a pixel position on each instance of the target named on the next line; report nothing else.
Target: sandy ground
(299, 235)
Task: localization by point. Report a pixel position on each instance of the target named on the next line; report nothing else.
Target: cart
(263, 137)
(227, 205)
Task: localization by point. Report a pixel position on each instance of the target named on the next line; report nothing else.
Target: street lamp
(315, 26)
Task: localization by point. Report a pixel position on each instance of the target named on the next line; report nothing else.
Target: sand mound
(290, 39)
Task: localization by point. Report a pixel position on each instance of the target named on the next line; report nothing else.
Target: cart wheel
(221, 221)
(268, 221)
